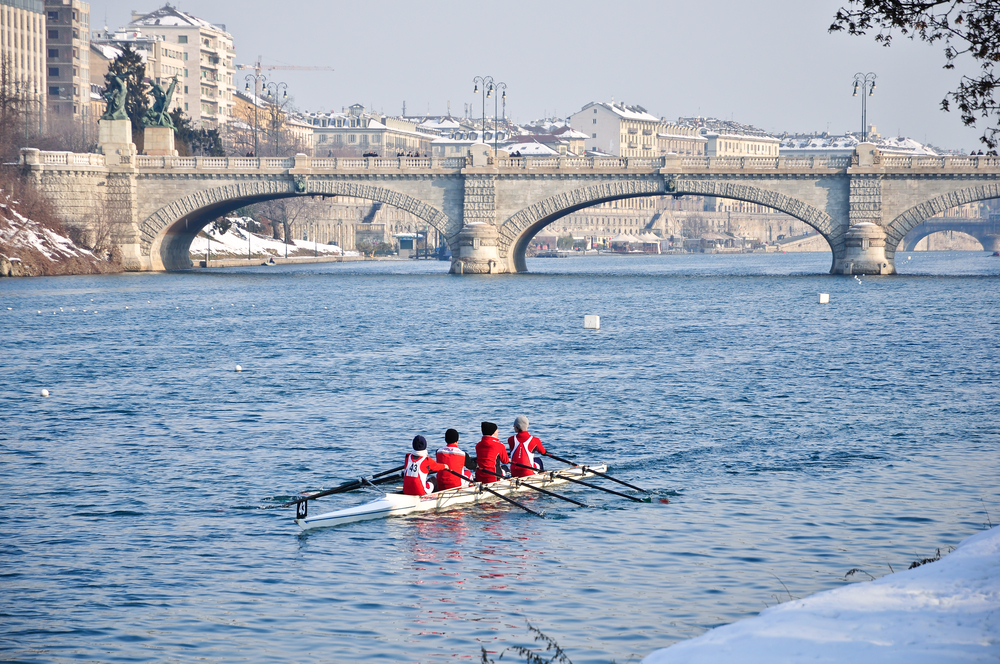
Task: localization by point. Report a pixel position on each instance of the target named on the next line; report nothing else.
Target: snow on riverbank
(28, 248)
(945, 611)
(233, 244)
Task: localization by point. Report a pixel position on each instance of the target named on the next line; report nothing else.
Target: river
(786, 443)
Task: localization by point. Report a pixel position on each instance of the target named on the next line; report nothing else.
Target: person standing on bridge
(522, 446)
(417, 470)
(490, 454)
(456, 460)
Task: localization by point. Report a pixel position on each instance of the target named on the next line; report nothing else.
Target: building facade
(206, 73)
(681, 139)
(356, 130)
(22, 52)
(163, 61)
(618, 129)
(67, 59)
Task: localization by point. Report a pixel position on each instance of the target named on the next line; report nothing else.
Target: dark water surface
(794, 441)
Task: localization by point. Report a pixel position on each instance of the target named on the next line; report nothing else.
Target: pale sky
(771, 64)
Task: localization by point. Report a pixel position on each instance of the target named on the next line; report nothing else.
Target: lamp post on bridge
(499, 86)
(866, 84)
(272, 96)
(487, 85)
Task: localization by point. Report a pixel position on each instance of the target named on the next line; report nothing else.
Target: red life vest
(415, 474)
(488, 451)
(453, 458)
(522, 452)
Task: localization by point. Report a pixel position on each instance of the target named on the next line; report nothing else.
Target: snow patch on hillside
(233, 243)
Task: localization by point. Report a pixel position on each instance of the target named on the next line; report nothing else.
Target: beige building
(741, 145)
(354, 129)
(680, 139)
(22, 51)
(618, 129)
(207, 76)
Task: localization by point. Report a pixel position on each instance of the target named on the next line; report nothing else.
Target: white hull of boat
(398, 504)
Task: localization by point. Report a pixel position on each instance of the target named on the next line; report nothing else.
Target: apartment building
(681, 139)
(22, 50)
(618, 129)
(67, 61)
(206, 84)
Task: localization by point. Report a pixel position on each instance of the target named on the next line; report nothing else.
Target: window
(185, 106)
(53, 34)
(595, 111)
(53, 71)
(593, 136)
(185, 89)
(53, 16)
(352, 139)
(182, 39)
(595, 120)
(54, 91)
(53, 52)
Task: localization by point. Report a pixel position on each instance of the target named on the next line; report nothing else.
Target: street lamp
(272, 96)
(499, 86)
(866, 84)
(487, 85)
(249, 257)
(259, 81)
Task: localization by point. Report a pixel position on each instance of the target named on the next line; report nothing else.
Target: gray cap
(521, 423)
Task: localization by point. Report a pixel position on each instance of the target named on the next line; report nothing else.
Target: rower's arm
(470, 462)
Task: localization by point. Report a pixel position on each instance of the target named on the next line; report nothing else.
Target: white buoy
(824, 298)
(45, 393)
(126, 308)
(232, 305)
(147, 302)
(238, 368)
(591, 322)
(10, 309)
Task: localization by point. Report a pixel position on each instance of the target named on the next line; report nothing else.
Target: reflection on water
(794, 441)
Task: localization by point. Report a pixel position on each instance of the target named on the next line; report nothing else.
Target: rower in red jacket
(522, 446)
(490, 453)
(455, 459)
(416, 480)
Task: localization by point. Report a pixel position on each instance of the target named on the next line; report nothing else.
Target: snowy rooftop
(531, 149)
(625, 111)
(894, 145)
(172, 17)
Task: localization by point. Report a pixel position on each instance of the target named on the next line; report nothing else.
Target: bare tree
(288, 212)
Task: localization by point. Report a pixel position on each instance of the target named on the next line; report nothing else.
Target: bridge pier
(863, 252)
(475, 250)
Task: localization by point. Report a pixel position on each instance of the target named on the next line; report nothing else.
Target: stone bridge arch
(898, 228)
(165, 236)
(517, 231)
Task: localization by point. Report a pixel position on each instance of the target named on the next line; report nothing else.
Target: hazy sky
(771, 64)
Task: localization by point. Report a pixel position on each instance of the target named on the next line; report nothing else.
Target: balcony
(633, 130)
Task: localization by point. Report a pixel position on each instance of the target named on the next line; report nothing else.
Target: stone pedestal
(864, 252)
(115, 138)
(159, 141)
(475, 251)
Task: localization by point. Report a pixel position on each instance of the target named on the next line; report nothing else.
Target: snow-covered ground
(233, 244)
(17, 231)
(945, 611)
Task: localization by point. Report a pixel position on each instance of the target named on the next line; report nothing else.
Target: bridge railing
(896, 161)
(72, 159)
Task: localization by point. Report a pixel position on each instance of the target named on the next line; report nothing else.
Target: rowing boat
(398, 504)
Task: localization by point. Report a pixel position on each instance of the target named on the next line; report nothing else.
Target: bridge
(986, 232)
(488, 206)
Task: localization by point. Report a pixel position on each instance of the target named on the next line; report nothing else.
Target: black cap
(489, 428)
(419, 443)
(450, 436)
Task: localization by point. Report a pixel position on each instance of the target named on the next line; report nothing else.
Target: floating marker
(10, 309)
(591, 322)
(238, 368)
(147, 301)
(232, 305)
(45, 393)
(824, 298)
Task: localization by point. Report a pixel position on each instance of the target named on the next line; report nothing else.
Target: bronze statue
(159, 114)
(114, 95)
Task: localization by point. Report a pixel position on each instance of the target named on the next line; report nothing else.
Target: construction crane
(257, 67)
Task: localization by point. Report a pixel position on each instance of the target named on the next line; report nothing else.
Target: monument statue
(159, 114)
(114, 95)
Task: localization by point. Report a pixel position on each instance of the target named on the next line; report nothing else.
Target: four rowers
(492, 462)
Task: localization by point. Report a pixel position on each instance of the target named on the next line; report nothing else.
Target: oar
(594, 486)
(349, 486)
(482, 485)
(540, 489)
(591, 470)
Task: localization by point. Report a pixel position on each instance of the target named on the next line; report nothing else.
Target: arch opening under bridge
(520, 228)
(898, 231)
(167, 234)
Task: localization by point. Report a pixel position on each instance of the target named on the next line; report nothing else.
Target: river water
(786, 443)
